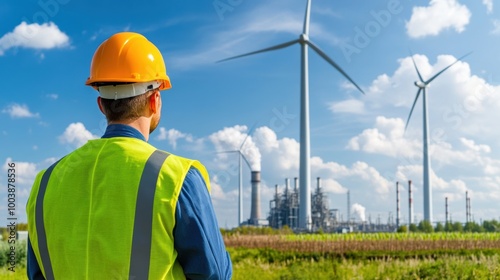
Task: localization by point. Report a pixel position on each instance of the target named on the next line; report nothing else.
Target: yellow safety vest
(107, 211)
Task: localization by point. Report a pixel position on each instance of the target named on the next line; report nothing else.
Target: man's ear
(154, 102)
(100, 105)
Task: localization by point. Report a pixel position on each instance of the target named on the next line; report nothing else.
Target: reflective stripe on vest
(143, 221)
(40, 226)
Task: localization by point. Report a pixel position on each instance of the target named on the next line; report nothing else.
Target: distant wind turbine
(422, 88)
(240, 190)
(305, 168)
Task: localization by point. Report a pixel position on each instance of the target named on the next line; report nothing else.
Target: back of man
(117, 207)
(91, 206)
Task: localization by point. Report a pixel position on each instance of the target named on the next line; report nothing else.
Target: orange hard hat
(128, 57)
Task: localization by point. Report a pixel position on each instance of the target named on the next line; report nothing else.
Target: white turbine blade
(245, 158)
(441, 72)
(307, 18)
(335, 65)
(273, 48)
(413, 107)
(416, 68)
(228, 152)
(249, 133)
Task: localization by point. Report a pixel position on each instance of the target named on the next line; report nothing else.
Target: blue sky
(357, 141)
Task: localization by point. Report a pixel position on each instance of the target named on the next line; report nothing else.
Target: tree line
(426, 226)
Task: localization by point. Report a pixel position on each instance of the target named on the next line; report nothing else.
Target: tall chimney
(319, 184)
(296, 183)
(410, 204)
(466, 206)
(255, 211)
(446, 210)
(348, 207)
(469, 210)
(398, 214)
(287, 188)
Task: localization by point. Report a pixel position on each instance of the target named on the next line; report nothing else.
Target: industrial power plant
(285, 205)
(284, 210)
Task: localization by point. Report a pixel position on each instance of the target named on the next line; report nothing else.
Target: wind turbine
(240, 176)
(305, 168)
(422, 88)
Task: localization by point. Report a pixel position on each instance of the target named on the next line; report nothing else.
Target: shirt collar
(122, 130)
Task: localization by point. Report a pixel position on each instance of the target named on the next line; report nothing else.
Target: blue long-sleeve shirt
(197, 239)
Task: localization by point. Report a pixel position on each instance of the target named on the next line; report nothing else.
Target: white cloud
(454, 189)
(489, 5)
(438, 16)
(52, 96)
(496, 27)
(472, 146)
(332, 186)
(386, 138)
(172, 135)
(76, 134)
(281, 156)
(231, 139)
(348, 106)
(34, 36)
(19, 111)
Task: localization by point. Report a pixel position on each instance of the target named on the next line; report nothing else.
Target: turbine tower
(240, 179)
(305, 219)
(422, 88)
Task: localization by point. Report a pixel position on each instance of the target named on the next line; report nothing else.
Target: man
(118, 208)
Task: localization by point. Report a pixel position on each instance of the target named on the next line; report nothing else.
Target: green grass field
(352, 256)
(366, 256)
(256, 266)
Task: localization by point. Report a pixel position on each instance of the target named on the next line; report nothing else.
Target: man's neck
(142, 124)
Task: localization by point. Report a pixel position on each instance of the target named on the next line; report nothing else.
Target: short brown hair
(125, 109)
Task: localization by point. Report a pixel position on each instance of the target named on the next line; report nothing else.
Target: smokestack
(446, 210)
(466, 206)
(410, 204)
(296, 183)
(319, 184)
(255, 211)
(398, 214)
(348, 207)
(287, 186)
(470, 213)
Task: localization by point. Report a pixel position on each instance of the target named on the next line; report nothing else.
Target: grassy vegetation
(265, 255)
(365, 256)
(259, 264)
(19, 274)
(19, 268)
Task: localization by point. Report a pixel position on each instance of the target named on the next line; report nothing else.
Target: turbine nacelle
(304, 38)
(420, 84)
